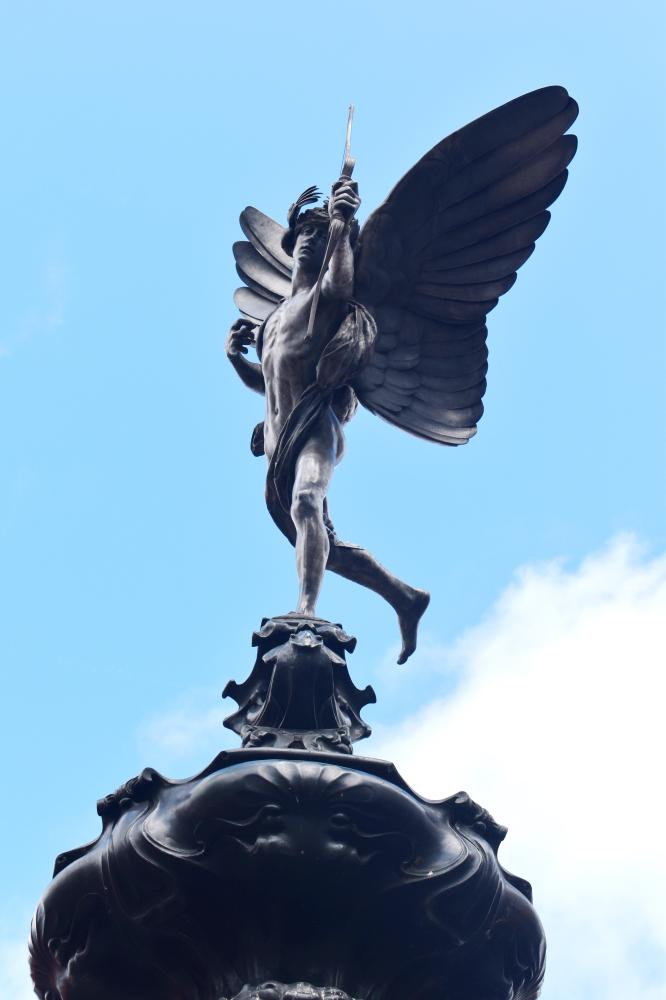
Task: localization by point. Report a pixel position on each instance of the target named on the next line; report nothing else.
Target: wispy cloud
(556, 726)
(14, 975)
(186, 735)
(47, 313)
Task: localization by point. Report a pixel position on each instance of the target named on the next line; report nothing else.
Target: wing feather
(404, 357)
(253, 305)
(465, 293)
(388, 342)
(485, 270)
(509, 190)
(434, 349)
(507, 158)
(265, 235)
(454, 367)
(403, 380)
(449, 310)
(511, 122)
(262, 264)
(504, 241)
(440, 383)
(431, 428)
(451, 417)
(421, 426)
(258, 274)
(452, 400)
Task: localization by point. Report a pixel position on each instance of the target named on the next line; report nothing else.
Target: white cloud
(188, 735)
(14, 976)
(556, 726)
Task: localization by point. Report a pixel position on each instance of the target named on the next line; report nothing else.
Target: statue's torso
(289, 359)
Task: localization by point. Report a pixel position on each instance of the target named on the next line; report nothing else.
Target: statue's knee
(306, 504)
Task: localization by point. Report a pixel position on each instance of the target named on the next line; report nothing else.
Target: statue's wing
(262, 264)
(447, 242)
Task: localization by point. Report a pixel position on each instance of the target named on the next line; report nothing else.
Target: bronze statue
(290, 865)
(392, 316)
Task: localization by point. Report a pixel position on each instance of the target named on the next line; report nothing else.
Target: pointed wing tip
(453, 442)
(426, 430)
(575, 109)
(562, 95)
(553, 90)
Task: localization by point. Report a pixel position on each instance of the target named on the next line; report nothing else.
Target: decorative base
(300, 694)
(290, 991)
(283, 866)
(287, 863)
(327, 740)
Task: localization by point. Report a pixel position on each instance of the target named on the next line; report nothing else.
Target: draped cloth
(344, 355)
(282, 468)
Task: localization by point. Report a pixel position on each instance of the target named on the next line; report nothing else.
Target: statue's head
(307, 231)
(307, 241)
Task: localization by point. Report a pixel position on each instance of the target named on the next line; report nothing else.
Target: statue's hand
(344, 199)
(241, 336)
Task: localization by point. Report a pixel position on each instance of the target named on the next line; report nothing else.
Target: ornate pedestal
(284, 873)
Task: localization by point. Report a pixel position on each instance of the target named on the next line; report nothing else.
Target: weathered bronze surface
(400, 326)
(290, 991)
(287, 866)
(300, 694)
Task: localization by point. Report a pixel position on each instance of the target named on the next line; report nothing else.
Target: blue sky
(136, 555)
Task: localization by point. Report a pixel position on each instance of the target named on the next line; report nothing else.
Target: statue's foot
(307, 614)
(409, 615)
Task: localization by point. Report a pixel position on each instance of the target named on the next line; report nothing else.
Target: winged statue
(391, 315)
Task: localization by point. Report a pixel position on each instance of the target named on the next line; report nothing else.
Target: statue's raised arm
(394, 318)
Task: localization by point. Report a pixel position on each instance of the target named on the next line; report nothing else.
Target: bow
(337, 223)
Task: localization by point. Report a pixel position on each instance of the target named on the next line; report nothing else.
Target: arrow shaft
(336, 226)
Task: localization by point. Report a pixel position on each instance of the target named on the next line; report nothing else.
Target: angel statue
(391, 315)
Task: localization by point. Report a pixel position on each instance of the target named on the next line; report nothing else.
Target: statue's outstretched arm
(338, 281)
(241, 336)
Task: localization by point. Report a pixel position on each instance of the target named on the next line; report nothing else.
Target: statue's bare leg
(409, 603)
(314, 468)
(314, 553)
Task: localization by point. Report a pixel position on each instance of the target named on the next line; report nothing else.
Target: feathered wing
(434, 259)
(262, 264)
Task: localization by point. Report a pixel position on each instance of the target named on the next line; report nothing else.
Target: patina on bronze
(400, 324)
(290, 869)
(281, 866)
(290, 991)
